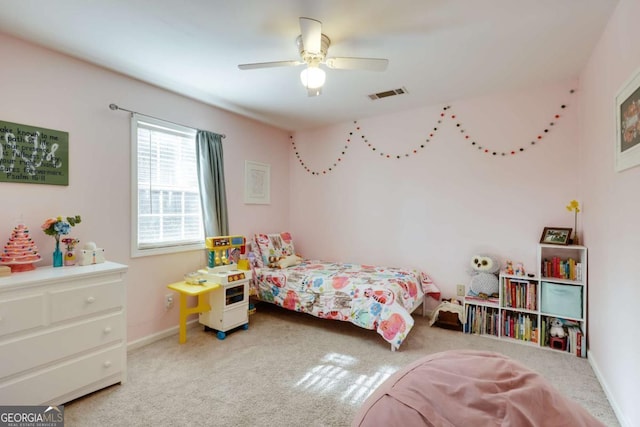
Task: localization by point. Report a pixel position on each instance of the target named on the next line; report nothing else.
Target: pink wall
(612, 204)
(45, 89)
(431, 211)
(436, 209)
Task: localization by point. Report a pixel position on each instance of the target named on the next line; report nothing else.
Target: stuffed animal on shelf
(557, 328)
(484, 272)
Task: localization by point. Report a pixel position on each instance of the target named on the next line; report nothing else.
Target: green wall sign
(33, 155)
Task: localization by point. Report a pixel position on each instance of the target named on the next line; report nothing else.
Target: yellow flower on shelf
(573, 206)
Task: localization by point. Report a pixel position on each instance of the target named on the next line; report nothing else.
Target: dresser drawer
(57, 343)
(74, 302)
(21, 313)
(48, 384)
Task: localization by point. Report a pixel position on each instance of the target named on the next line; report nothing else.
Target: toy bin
(561, 300)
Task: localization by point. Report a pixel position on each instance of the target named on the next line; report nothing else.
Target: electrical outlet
(460, 290)
(168, 301)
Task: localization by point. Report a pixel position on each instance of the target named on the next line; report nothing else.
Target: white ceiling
(439, 50)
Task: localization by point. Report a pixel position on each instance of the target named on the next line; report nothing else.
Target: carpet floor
(291, 369)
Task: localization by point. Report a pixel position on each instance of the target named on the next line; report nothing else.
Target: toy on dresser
(20, 251)
(90, 254)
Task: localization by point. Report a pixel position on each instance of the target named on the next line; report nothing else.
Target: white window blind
(168, 217)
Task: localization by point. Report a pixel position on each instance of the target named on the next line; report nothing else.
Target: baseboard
(133, 345)
(616, 409)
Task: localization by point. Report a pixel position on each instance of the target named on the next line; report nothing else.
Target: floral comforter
(376, 298)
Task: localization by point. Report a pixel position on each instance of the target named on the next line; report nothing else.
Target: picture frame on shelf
(257, 183)
(628, 124)
(556, 235)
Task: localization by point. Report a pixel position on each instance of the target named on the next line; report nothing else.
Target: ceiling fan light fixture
(312, 77)
(312, 48)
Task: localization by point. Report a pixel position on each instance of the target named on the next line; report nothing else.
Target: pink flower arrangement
(57, 226)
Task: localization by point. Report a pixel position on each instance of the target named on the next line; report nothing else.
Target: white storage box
(561, 300)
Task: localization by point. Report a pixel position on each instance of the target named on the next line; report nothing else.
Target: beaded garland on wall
(446, 112)
(335, 163)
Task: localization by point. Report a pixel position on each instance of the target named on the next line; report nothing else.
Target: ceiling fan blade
(311, 31)
(370, 64)
(270, 64)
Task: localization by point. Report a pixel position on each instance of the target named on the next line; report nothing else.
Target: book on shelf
(519, 294)
(579, 344)
(520, 326)
(481, 320)
(575, 340)
(562, 269)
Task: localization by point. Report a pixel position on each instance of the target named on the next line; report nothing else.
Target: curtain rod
(114, 107)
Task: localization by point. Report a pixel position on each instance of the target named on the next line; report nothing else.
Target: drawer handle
(107, 364)
(91, 300)
(107, 330)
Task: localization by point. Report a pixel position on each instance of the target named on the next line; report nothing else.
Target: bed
(469, 388)
(371, 297)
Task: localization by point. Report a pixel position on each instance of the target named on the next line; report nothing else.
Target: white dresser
(62, 333)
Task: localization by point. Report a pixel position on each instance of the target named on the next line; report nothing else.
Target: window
(166, 214)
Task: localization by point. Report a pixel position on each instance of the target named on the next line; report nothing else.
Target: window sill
(137, 253)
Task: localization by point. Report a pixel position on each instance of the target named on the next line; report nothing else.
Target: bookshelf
(526, 306)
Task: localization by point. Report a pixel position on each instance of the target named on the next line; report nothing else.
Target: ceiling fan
(313, 47)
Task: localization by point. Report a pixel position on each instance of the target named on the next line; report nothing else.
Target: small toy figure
(509, 267)
(519, 269)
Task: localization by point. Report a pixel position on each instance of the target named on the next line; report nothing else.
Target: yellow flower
(573, 206)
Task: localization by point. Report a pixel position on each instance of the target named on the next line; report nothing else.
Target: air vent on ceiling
(387, 93)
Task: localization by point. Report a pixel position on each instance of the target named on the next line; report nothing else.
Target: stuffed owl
(484, 272)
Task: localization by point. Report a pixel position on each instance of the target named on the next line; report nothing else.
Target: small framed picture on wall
(556, 235)
(628, 124)
(257, 183)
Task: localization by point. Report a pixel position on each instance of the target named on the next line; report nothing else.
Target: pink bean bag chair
(469, 388)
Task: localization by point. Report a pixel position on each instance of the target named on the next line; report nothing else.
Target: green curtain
(213, 195)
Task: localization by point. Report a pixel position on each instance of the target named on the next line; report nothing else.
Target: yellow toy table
(185, 290)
